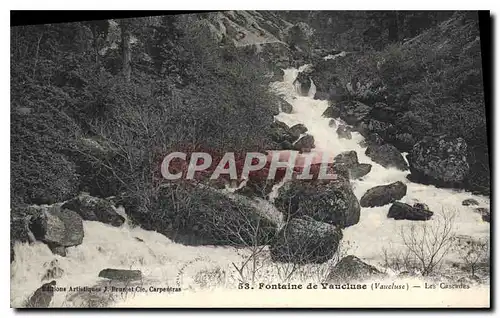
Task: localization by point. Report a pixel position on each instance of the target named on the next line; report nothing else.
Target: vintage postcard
(331, 159)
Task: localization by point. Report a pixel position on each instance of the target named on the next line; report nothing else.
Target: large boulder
(195, 214)
(303, 241)
(57, 227)
(353, 112)
(403, 211)
(383, 112)
(383, 194)
(121, 274)
(343, 132)
(441, 161)
(351, 268)
(387, 156)
(347, 158)
(330, 201)
(42, 297)
(94, 209)
(306, 143)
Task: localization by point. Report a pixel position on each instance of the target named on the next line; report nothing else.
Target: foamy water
(165, 263)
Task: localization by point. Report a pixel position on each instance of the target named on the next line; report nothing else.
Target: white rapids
(166, 263)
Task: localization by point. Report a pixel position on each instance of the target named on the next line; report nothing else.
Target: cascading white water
(161, 260)
(374, 231)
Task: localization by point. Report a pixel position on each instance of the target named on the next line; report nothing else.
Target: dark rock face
(306, 143)
(468, 202)
(121, 274)
(344, 132)
(58, 227)
(330, 201)
(102, 182)
(42, 297)
(360, 170)
(199, 215)
(303, 241)
(94, 209)
(372, 140)
(332, 112)
(403, 211)
(485, 213)
(383, 194)
(440, 161)
(353, 112)
(351, 268)
(387, 156)
(286, 107)
(297, 130)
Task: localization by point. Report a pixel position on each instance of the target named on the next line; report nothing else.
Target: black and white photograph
(250, 159)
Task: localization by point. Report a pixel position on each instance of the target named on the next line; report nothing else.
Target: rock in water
(383, 194)
(485, 214)
(306, 143)
(58, 227)
(441, 161)
(344, 132)
(297, 130)
(331, 201)
(286, 107)
(42, 297)
(94, 209)
(303, 241)
(305, 82)
(349, 159)
(387, 156)
(351, 268)
(403, 211)
(468, 202)
(121, 274)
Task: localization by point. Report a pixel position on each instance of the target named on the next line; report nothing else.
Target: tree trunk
(126, 55)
